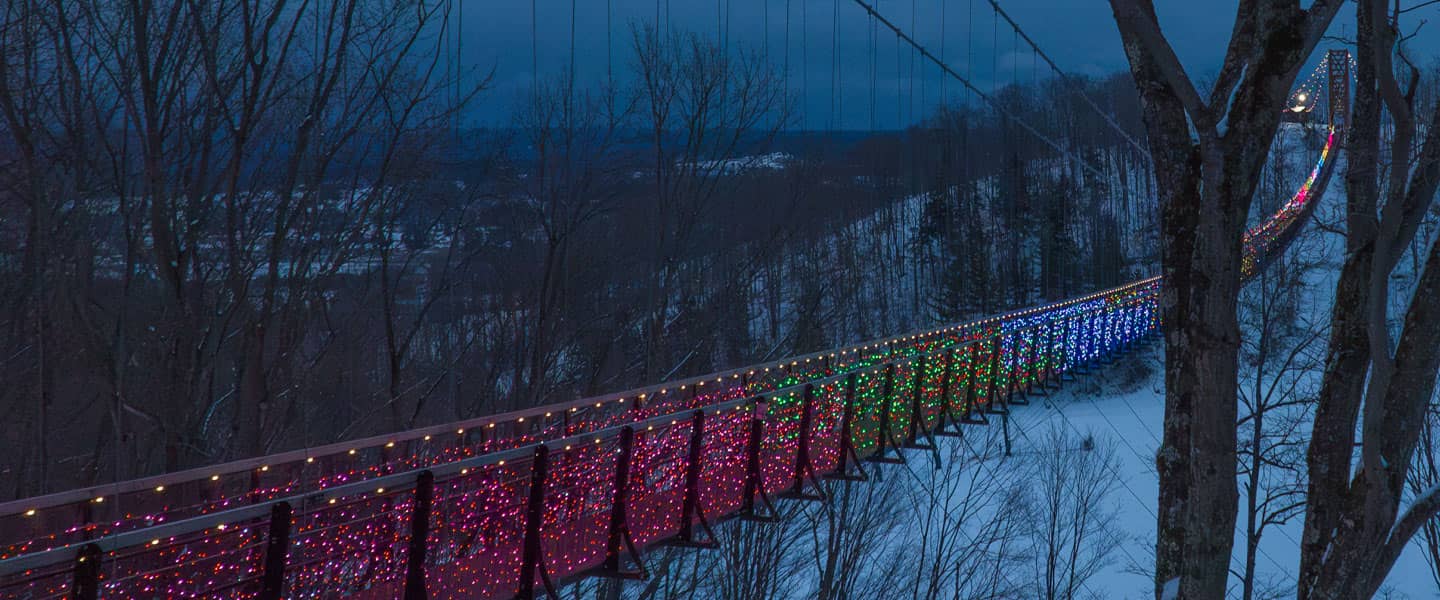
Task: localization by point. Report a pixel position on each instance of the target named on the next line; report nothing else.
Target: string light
(481, 508)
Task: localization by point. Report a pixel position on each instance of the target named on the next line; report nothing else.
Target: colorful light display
(495, 523)
(1265, 240)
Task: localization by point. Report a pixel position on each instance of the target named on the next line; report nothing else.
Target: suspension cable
(570, 85)
(835, 90)
(610, 44)
(943, 5)
(1072, 81)
(971, 86)
(874, 62)
(534, 39)
(914, 13)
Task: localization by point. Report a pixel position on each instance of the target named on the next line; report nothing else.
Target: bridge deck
(492, 507)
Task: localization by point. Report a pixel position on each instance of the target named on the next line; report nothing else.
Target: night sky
(1079, 35)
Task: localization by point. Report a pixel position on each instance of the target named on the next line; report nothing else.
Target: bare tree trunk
(1206, 182)
(1354, 529)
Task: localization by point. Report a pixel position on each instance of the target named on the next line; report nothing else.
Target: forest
(189, 278)
(231, 228)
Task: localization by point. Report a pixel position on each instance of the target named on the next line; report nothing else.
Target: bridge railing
(503, 499)
(357, 536)
(76, 516)
(1268, 239)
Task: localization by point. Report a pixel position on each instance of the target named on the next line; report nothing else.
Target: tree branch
(1425, 507)
(1237, 56)
(1138, 16)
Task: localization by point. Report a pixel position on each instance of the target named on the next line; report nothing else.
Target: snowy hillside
(1108, 425)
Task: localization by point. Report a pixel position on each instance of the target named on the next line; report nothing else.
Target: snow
(773, 161)
(1123, 405)
(1129, 416)
(1171, 590)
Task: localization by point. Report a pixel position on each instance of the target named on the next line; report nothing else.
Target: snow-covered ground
(1122, 406)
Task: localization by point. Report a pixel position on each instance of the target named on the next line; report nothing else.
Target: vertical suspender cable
(835, 61)
(570, 85)
(787, 45)
(874, 54)
(1015, 75)
(995, 53)
(943, 5)
(970, 48)
(765, 41)
(610, 46)
(535, 40)
(899, 87)
(459, 61)
(913, 22)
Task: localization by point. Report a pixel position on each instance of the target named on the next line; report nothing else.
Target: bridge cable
(874, 62)
(914, 27)
(610, 47)
(1000, 108)
(836, 93)
(570, 85)
(943, 15)
(899, 88)
(534, 40)
(970, 46)
(1080, 89)
(1067, 78)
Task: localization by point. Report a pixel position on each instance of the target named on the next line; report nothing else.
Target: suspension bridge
(516, 504)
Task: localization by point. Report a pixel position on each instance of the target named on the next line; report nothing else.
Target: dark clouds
(1079, 34)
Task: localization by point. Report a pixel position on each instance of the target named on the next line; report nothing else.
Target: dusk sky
(1079, 35)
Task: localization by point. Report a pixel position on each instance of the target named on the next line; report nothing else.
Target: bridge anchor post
(419, 532)
(804, 468)
(690, 508)
(973, 415)
(992, 395)
(882, 432)
(917, 429)
(533, 555)
(277, 546)
(85, 584)
(754, 478)
(847, 443)
(947, 416)
(620, 538)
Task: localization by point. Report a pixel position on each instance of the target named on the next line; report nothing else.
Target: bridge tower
(1339, 92)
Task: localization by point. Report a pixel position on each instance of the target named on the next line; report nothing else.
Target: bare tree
(1208, 154)
(1424, 476)
(197, 147)
(576, 178)
(720, 104)
(1073, 533)
(847, 531)
(1378, 376)
(1276, 399)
